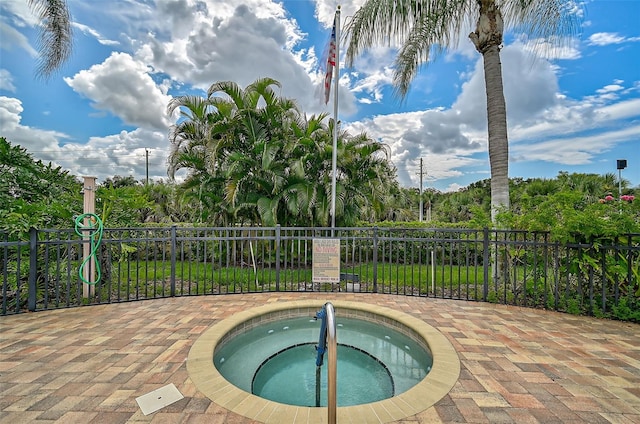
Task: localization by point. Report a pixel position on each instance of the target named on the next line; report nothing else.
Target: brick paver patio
(518, 365)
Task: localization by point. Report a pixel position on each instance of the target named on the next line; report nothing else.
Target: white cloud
(325, 10)
(610, 88)
(20, 12)
(10, 110)
(92, 32)
(372, 85)
(32, 139)
(12, 37)
(622, 110)
(453, 187)
(124, 154)
(122, 86)
(576, 150)
(552, 49)
(433, 134)
(605, 38)
(119, 154)
(224, 43)
(6, 81)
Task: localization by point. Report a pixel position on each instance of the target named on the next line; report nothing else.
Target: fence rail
(509, 267)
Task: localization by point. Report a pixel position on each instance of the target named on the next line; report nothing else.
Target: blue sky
(574, 108)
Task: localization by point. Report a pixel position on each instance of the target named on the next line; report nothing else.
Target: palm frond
(229, 88)
(56, 35)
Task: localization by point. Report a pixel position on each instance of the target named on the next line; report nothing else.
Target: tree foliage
(34, 194)
(572, 207)
(253, 157)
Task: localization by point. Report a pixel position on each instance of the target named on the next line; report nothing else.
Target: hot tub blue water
(289, 377)
(277, 361)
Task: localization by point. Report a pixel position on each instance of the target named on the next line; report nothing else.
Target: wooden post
(89, 190)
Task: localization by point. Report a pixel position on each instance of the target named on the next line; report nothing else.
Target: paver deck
(518, 365)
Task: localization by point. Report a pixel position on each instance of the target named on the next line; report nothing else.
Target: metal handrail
(327, 342)
(332, 366)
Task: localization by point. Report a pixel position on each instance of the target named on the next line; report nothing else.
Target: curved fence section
(510, 267)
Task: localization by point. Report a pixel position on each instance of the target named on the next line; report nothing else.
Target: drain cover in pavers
(158, 399)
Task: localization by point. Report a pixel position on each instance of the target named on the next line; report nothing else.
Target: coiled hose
(93, 230)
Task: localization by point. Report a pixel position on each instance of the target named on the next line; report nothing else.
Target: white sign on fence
(326, 260)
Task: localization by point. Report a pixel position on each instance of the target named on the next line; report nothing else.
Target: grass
(144, 279)
(526, 286)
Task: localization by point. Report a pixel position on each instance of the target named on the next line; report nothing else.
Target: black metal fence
(509, 267)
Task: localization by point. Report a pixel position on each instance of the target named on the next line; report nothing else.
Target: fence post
(174, 248)
(591, 253)
(632, 286)
(603, 262)
(375, 259)
(277, 241)
(556, 275)
(485, 263)
(33, 269)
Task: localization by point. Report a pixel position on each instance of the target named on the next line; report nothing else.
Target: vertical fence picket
(174, 249)
(33, 269)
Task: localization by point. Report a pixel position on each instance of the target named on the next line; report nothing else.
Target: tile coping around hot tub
(443, 375)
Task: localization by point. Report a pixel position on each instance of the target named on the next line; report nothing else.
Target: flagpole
(334, 157)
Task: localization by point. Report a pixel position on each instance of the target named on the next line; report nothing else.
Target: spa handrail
(328, 342)
(332, 366)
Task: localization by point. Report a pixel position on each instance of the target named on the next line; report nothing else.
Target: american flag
(331, 63)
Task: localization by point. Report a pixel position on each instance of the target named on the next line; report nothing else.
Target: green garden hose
(93, 230)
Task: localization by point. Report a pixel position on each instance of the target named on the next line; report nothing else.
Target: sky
(572, 108)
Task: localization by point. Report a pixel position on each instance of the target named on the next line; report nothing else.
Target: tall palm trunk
(498, 157)
(497, 125)
(488, 39)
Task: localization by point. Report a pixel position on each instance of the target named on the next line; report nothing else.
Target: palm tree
(310, 170)
(233, 142)
(592, 186)
(255, 163)
(253, 157)
(56, 35)
(365, 176)
(423, 26)
(206, 124)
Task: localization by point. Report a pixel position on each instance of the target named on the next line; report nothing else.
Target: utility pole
(146, 151)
